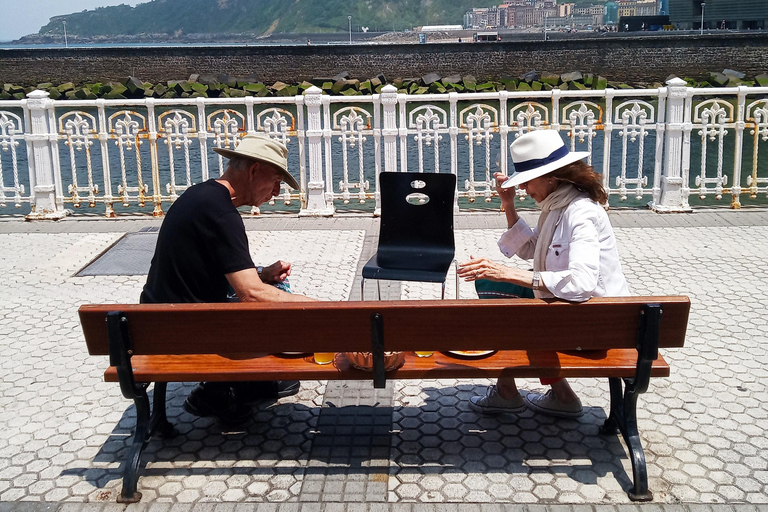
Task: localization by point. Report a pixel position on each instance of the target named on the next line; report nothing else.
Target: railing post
(672, 197)
(41, 144)
(316, 204)
(389, 133)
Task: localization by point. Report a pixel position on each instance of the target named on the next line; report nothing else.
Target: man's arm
(249, 288)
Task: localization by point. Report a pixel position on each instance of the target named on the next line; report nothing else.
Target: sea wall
(645, 59)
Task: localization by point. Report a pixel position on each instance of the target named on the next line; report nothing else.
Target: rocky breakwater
(224, 86)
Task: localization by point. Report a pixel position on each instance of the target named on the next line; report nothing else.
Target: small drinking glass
(324, 357)
(424, 354)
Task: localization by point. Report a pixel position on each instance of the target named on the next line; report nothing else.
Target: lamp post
(66, 44)
(701, 32)
(349, 18)
(545, 26)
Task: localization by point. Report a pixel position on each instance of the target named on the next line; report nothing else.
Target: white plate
(471, 353)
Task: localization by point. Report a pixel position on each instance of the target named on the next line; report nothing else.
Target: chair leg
(443, 294)
(456, 267)
(378, 288)
(362, 288)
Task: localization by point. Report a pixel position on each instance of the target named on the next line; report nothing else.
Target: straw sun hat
(263, 149)
(538, 153)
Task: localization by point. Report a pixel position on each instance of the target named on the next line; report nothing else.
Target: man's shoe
(247, 392)
(494, 403)
(216, 399)
(547, 403)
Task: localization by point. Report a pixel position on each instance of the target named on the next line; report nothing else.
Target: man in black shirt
(202, 254)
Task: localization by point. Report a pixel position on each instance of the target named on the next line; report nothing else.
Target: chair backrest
(416, 220)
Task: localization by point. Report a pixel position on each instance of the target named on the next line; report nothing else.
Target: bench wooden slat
(600, 323)
(517, 363)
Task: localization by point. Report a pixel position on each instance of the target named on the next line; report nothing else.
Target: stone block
(437, 88)
(734, 74)
(453, 79)
(762, 80)
(338, 86)
(63, 88)
(536, 85)
(573, 76)
(601, 83)
(530, 76)
(430, 78)
(524, 86)
(255, 88)
(133, 84)
(717, 79)
(550, 78)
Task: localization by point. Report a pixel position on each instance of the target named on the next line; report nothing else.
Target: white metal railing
(667, 145)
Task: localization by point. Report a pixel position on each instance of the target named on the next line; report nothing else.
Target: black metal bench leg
(159, 423)
(623, 417)
(140, 437)
(631, 436)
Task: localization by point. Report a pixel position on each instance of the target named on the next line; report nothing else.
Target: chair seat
(372, 270)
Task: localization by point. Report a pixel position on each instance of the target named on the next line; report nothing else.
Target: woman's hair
(583, 176)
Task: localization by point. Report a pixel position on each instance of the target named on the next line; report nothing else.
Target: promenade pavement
(415, 445)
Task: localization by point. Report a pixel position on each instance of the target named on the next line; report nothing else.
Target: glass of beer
(424, 354)
(324, 357)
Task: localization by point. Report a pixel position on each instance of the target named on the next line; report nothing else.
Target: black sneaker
(247, 392)
(216, 399)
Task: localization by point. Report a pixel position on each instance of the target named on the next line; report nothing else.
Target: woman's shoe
(547, 403)
(494, 403)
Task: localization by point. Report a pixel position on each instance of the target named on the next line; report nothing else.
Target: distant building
(741, 14)
(440, 28)
(611, 13)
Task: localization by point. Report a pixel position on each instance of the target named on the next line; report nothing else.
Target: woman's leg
(504, 396)
(559, 401)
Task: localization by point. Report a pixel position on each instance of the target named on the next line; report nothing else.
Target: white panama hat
(538, 153)
(263, 149)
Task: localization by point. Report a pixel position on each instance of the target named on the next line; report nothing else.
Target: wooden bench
(617, 338)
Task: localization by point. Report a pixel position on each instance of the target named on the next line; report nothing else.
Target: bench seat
(513, 363)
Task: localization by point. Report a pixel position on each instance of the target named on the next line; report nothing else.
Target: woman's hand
(483, 268)
(507, 196)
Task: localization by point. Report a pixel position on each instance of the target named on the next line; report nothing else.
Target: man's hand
(276, 272)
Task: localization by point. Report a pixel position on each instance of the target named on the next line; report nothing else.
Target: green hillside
(260, 17)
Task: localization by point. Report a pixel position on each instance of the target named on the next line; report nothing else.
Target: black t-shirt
(202, 239)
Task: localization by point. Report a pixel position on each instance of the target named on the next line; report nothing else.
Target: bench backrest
(514, 324)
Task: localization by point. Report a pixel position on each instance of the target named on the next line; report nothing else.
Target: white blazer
(582, 261)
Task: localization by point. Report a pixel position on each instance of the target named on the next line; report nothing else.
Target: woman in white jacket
(573, 250)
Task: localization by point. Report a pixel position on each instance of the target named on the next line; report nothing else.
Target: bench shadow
(432, 431)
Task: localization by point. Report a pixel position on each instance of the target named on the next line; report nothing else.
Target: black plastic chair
(416, 234)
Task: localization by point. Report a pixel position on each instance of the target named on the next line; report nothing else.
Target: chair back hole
(417, 184)
(417, 198)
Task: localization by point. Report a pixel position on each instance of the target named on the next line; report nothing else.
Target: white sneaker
(547, 403)
(494, 403)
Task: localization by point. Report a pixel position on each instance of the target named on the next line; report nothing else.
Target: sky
(21, 17)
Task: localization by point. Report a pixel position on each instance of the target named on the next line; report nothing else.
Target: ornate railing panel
(670, 145)
(11, 134)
